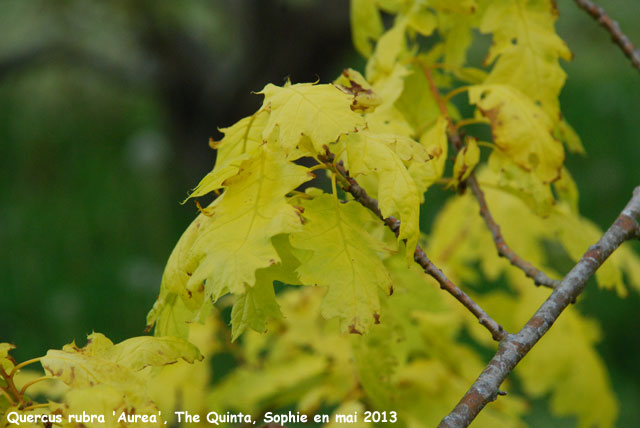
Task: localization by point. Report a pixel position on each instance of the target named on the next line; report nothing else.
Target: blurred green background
(106, 109)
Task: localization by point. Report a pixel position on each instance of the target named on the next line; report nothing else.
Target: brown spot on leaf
(376, 317)
(354, 330)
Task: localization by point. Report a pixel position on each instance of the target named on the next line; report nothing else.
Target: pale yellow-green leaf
(106, 400)
(366, 25)
(456, 21)
(102, 362)
(466, 160)
(365, 99)
(421, 19)
(435, 143)
(258, 305)
(567, 190)
(521, 129)
(183, 386)
(247, 388)
(391, 47)
(387, 118)
(255, 306)
(565, 133)
(527, 49)
(416, 102)
(349, 409)
(139, 352)
(5, 362)
(523, 184)
(397, 193)
(320, 112)
(236, 240)
(169, 310)
(344, 259)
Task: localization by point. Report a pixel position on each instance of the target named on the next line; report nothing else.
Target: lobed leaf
(369, 154)
(344, 258)
(521, 129)
(320, 112)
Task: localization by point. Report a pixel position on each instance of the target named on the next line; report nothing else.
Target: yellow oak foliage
(466, 160)
(521, 129)
(5, 362)
(344, 259)
(526, 50)
(105, 377)
(369, 154)
(258, 304)
(320, 112)
(236, 239)
(366, 25)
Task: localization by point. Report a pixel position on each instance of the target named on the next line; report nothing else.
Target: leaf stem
(24, 364)
(454, 92)
(36, 406)
(28, 384)
(470, 121)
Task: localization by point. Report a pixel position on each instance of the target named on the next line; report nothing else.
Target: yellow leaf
(239, 141)
(365, 100)
(5, 362)
(320, 112)
(236, 240)
(521, 129)
(466, 160)
(565, 133)
(390, 48)
(526, 186)
(366, 25)
(421, 19)
(106, 378)
(456, 21)
(567, 190)
(527, 49)
(416, 103)
(344, 259)
(435, 143)
(368, 154)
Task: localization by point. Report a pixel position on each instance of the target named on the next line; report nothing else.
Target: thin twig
(513, 349)
(619, 38)
(28, 384)
(360, 195)
(538, 276)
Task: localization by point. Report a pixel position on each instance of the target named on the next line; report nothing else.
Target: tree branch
(538, 276)
(515, 347)
(599, 14)
(350, 185)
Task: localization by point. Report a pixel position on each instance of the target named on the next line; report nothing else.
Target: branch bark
(618, 37)
(514, 348)
(351, 186)
(538, 276)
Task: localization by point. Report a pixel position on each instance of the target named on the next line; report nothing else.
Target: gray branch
(513, 349)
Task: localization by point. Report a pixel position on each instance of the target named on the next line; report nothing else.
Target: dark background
(106, 109)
